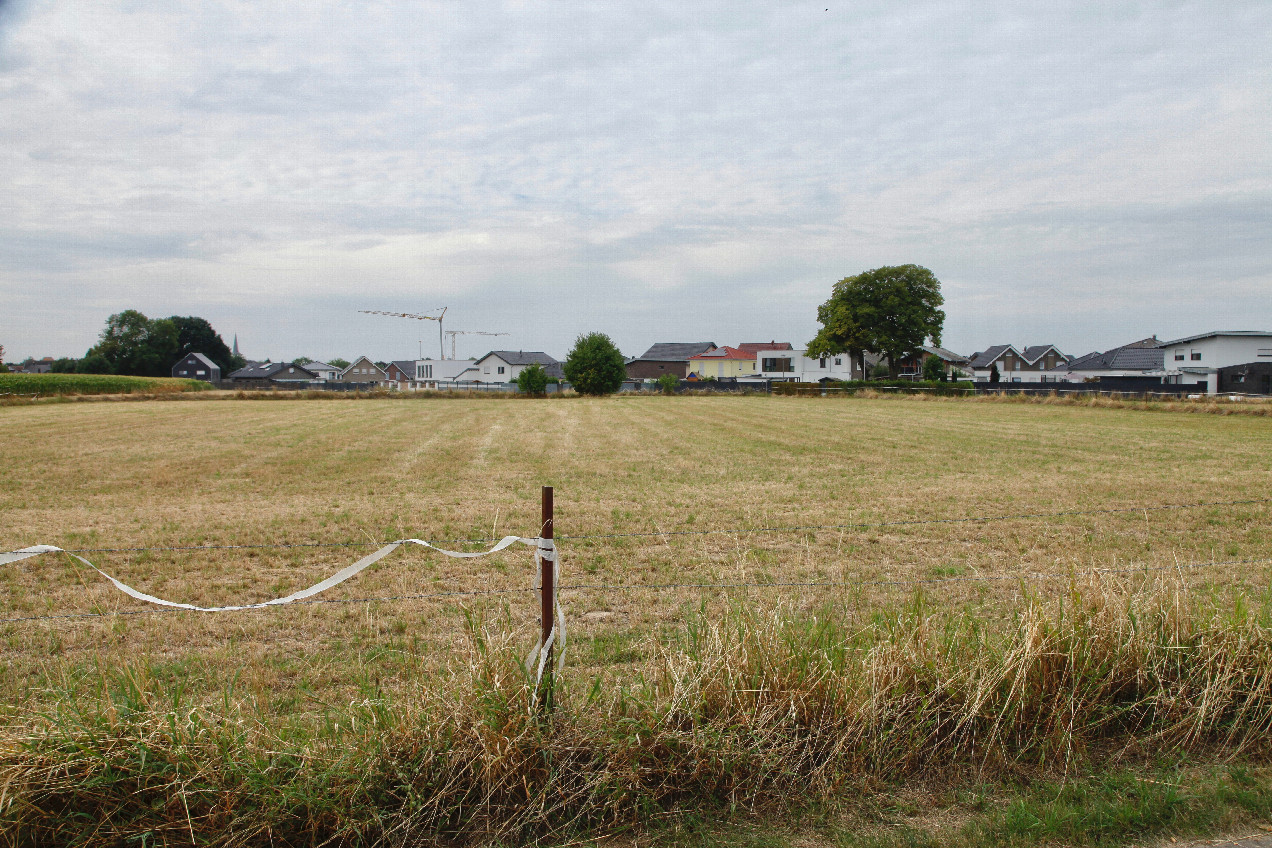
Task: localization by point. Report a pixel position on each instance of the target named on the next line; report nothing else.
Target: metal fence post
(547, 599)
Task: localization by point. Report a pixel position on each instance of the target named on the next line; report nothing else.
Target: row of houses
(496, 367)
(1213, 362)
(1219, 361)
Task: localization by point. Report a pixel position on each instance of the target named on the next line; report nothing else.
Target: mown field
(695, 475)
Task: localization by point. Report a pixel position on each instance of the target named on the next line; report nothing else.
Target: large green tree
(137, 345)
(195, 335)
(595, 366)
(891, 311)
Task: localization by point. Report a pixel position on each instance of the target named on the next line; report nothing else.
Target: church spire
(236, 352)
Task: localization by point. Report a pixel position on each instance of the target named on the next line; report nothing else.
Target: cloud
(652, 171)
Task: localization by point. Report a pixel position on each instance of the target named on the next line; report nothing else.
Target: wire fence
(717, 531)
(719, 585)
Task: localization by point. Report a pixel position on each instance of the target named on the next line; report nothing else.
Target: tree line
(138, 346)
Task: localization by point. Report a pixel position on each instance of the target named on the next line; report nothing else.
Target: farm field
(650, 491)
(235, 473)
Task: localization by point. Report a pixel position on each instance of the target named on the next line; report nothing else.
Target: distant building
(323, 370)
(272, 374)
(1139, 359)
(1198, 359)
(503, 366)
(196, 366)
(362, 371)
(1017, 366)
(791, 365)
(723, 363)
(442, 374)
(666, 358)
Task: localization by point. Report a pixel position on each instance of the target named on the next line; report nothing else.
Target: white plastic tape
(537, 659)
(339, 577)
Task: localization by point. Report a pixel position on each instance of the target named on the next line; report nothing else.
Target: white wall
(837, 367)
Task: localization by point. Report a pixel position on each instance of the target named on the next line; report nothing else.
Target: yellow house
(722, 363)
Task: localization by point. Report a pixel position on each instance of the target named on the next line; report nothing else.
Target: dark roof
(269, 370)
(522, 357)
(947, 355)
(1035, 352)
(986, 357)
(676, 351)
(752, 347)
(1143, 355)
(406, 366)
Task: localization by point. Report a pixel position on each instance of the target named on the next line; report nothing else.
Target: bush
(667, 383)
(595, 366)
(532, 380)
(934, 369)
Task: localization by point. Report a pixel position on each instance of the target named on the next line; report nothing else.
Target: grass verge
(757, 712)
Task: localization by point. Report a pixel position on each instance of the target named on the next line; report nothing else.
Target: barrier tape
(546, 550)
(334, 580)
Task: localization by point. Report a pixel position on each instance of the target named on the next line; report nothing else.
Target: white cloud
(655, 171)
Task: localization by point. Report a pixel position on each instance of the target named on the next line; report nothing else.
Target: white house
(1197, 359)
(503, 366)
(793, 366)
(323, 370)
(1032, 364)
(444, 373)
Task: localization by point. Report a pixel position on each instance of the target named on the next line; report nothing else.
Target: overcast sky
(1078, 174)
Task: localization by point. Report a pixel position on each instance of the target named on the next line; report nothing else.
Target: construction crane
(441, 343)
(454, 333)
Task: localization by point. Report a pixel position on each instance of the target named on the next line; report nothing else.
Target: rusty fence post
(547, 600)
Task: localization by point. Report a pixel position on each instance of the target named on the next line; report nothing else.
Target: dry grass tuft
(758, 710)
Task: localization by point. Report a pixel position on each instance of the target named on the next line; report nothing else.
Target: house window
(822, 363)
(183, 373)
(782, 364)
(839, 360)
(1179, 356)
(501, 369)
(291, 370)
(1265, 351)
(1196, 356)
(1017, 368)
(486, 370)
(198, 373)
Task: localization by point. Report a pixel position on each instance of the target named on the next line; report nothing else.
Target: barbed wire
(629, 587)
(161, 610)
(709, 532)
(920, 581)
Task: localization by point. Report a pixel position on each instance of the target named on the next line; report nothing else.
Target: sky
(1078, 174)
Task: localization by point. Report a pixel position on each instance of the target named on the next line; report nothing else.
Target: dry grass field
(693, 475)
(135, 475)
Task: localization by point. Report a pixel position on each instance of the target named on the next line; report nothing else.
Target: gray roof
(1035, 352)
(314, 364)
(521, 357)
(1143, 355)
(354, 364)
(269, 370)
(406, 366)
(1214, 333)
(947, 355)
(203, 359)
(676, 351)
(986, 358)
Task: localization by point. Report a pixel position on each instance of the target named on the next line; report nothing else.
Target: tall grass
(755, 710)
